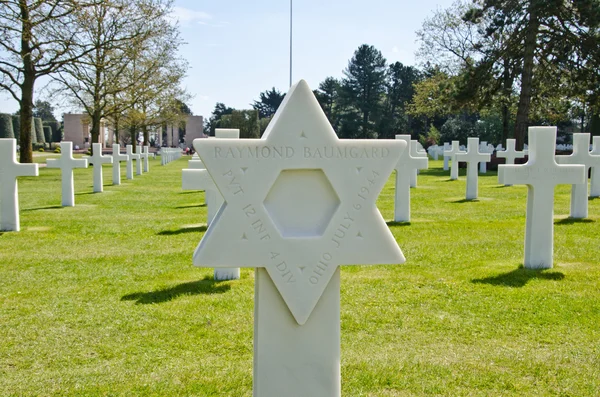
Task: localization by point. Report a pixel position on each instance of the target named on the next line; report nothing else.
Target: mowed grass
(102, 300)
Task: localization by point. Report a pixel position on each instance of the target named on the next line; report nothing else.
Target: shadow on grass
(190, 206)
(572, 221)
(192, 229)
(593, 198)
(461, 201)
(519, 277)
(501, 186)
(85, 193)
(394, 223)
(48, 207)
(206, 286)
(435, 172)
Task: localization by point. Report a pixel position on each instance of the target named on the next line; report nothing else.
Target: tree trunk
(507, 84)
(133, 136)
(146, 135)
(96, 118)
(595, 124)
(526, 77)
(26, 111)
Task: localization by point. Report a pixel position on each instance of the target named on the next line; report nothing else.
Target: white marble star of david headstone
(298, 202)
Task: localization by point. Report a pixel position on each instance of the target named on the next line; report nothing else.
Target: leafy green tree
(363, 89)
(328, 95)
(219, 111)
(244, 120)
(43, 110)
(399, 92)
(268, 103)
(540, 36)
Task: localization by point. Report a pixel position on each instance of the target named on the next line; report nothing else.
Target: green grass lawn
(102, 300)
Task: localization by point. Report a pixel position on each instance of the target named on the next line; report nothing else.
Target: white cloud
(186, 16)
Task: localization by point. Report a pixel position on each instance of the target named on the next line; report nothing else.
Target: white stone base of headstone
(595, 183)
(227, 273)
(294, 360)
(446, 161)
(483, 167)
(579, 201)
(472, 182)
(402, 199)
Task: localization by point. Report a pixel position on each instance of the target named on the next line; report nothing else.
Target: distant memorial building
(77, 129)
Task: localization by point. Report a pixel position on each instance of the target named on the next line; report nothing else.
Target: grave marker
(581, 155)
(541, 174)
(97, 159)
(415, 152)
(146, 156)
(509, 155)
(67, 163)
(452, 152)
(117, 158)
(483, 148)
(472, 157)
(405, 168)
(446, 157)
(10, 169)
(298, 203)
(130, 158)
(138, 163)
(595, 177)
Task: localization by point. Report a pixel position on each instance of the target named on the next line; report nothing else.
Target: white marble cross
(130, 158)
(409, 162)
(509, 155)
(472, 157)
(138, 163)
(483, 148)
(299, 202)
(97, 159)
(446, 157)
(595, 177)
(417, 153)
(541, 174)
(67, 163)
(581, 155)
(452, 152)
(146, 156)
(117, 158)
(10, 169)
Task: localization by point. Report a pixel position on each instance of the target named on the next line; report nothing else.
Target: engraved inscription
(307, 152)
(283, 268)
(232, 183)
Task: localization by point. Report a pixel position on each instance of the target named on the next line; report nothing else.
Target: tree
(43, 110)
(363, 88)
(6, 126)
(268, 103)
(244, 120)
(328, 95)
(540, 36)
(116, 30)
(37, 39)
(219, 111)
(399, 90)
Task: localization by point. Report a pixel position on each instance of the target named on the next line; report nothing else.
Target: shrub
(39, 130)
(6, 126)
(57, 150)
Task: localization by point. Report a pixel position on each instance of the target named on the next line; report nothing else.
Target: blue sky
(238, 48)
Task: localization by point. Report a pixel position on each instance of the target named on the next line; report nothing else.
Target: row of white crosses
(196, 177)
(67, 163)
(168, 155)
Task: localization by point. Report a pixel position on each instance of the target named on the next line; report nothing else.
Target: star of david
(298, 202)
